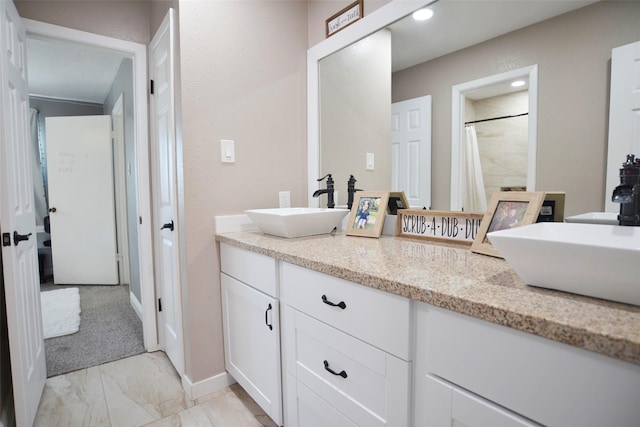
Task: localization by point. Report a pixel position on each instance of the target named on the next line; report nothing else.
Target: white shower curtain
(36, 168)
(475, 198)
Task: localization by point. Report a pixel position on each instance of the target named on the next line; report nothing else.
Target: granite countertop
(452, 277)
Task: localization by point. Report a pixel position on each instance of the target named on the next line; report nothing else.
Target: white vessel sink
(601, 261)
(595, 218)
(296, 222)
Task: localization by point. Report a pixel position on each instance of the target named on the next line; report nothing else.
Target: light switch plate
(370, 161)
(284, 199)
(227, 151)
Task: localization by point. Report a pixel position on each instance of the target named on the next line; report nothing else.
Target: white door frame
(458, 132)
(138, 53)
(119, 181)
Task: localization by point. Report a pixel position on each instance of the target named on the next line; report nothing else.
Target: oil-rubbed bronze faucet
(351, 190)
(328, 191)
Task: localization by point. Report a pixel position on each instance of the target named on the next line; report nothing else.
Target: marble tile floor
(142, 390)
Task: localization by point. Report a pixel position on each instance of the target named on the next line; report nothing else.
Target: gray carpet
(109, 330)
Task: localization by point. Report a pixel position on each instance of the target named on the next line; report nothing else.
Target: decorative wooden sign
(452, 227)
(344, 18)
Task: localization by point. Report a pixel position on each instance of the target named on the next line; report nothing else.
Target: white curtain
(36, 168)
(475, 198)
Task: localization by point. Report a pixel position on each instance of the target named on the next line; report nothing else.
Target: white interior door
(81, 200)
(624, 115)
(163, 141)
(17, 217)
(411, 150)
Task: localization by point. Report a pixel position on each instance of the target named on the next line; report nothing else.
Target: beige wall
(125, 20)
(243, 77)
(353, 80)
(573, 54)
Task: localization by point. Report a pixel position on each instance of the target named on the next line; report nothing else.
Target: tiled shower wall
(502, 143)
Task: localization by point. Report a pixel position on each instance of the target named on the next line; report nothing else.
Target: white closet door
(81, 200)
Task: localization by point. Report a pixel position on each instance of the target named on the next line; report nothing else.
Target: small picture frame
(507, 209)
(397, 200)
(367, 213)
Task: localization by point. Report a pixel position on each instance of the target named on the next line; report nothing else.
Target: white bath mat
(60, 312)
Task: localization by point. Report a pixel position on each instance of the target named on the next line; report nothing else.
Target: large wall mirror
(430, 58)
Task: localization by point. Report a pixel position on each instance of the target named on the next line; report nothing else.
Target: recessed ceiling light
(518, 83)
(422, 14)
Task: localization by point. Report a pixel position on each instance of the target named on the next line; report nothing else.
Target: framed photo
(344, 18)
(397, 200)
(552, 209)
(367, 213)
(507, 209)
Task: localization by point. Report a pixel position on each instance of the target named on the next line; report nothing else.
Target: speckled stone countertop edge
(617, 342)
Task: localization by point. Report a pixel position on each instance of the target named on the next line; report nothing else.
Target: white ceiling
(64, 70)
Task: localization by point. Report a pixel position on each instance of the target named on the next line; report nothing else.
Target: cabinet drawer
(368, 385)
(376, 317)
(256, 270)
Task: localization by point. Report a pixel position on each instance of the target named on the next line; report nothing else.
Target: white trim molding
(206, 386)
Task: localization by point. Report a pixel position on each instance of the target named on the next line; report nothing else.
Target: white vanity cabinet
(251, 325)
(347, 351)
(475, 373)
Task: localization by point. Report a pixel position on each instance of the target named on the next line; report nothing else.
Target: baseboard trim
(206, 386)
(135, 304)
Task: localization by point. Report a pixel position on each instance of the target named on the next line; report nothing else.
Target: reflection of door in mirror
(411, 150)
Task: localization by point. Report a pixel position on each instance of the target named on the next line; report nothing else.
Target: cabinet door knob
(341, 304)
(342, 374)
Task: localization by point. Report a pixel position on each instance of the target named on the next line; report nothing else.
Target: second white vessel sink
(609, 218)
(601, 261)
(296, 222)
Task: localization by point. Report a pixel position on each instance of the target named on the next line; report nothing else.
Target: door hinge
(6, 239)
(151, 87)
(159, 304)
(140, 219)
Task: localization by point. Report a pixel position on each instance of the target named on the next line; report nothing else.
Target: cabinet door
(252, 343)
(446, 405)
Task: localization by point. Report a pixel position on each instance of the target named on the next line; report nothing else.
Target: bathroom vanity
(400, 332)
